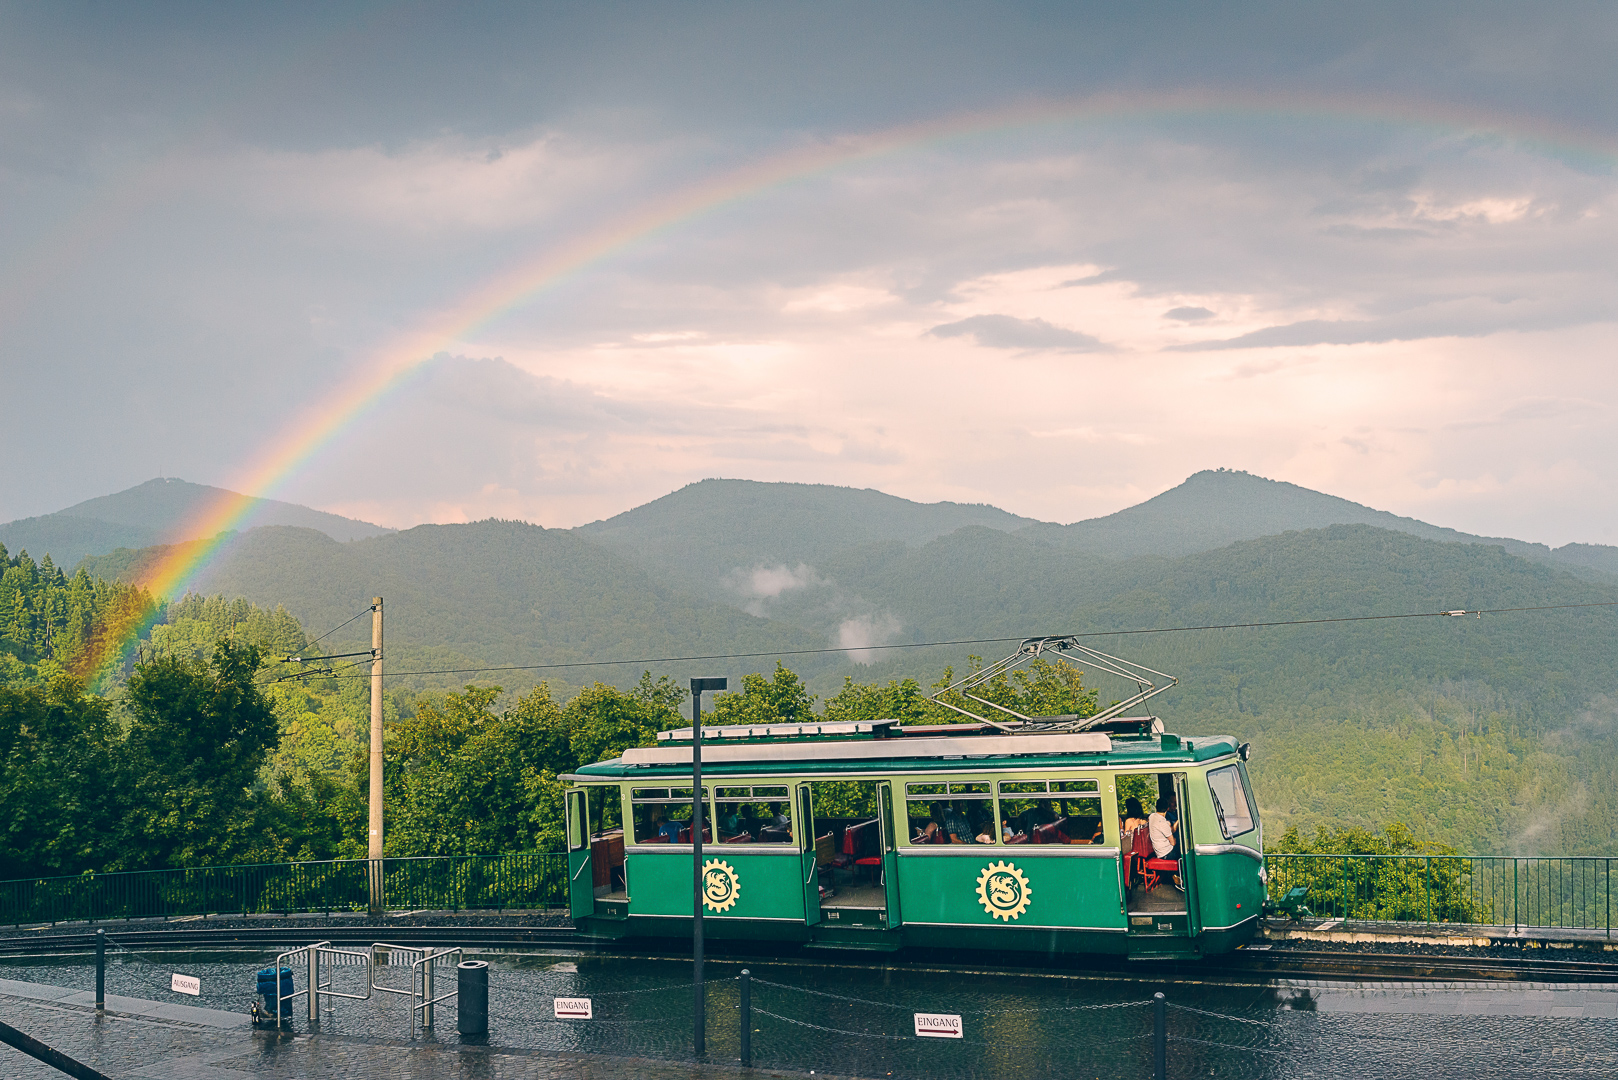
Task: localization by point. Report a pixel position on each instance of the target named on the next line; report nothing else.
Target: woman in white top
(1165, 837)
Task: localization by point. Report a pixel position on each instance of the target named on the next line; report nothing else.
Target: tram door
(1158, 898)
(808, 866)
(890, 857)
(580, 876)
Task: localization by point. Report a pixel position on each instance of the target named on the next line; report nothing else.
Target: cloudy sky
(1054, 257)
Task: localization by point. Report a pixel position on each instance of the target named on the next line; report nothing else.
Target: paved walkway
(150, 1040)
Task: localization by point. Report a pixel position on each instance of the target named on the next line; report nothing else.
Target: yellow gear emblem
(1003, 890)
(719, 886)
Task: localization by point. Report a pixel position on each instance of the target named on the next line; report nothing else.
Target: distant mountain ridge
(1217, 507)
(157, 512)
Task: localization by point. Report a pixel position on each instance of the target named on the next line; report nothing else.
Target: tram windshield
(950, 813)
(663, 815)
(754, 815)
(1232, 801)
(1050, 812)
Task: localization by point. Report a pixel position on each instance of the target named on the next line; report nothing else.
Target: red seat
(1020, 838)
(1049, 834)
(874, 864)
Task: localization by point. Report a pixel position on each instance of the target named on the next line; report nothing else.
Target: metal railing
(1571, 893)
(451, 882)
(1565, 893)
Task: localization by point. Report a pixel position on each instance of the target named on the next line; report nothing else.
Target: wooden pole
(375, 846)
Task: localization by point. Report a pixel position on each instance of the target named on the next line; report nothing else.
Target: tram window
(605, 809)
(1231, 805)
(1050, 812)
(754, 815)
(955, 813)
(663, 815)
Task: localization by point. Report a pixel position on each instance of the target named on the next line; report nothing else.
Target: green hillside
(156, 512)
(488, 593)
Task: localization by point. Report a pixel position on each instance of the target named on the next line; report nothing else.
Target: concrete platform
(1343, 932)
(126, 1006)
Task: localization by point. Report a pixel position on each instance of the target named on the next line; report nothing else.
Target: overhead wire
(1452, 613)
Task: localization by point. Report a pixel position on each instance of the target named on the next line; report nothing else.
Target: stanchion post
(427, 992)
(314, 985)
(101, 969)
(1160, 1036)
(746, 981)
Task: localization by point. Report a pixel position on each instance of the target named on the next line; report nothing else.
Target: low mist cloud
(858, 635)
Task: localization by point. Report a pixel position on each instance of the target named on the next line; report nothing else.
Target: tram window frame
(761, 796)
(1221, 813)
(640, 797)
(603, 801)
(1085, 791)
(948, 792)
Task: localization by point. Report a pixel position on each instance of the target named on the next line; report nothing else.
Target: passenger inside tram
(663, 816)
(745, 818)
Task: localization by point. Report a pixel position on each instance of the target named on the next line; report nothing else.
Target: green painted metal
(966, 885)
(808, 872)
(890, 858)
(747, 885)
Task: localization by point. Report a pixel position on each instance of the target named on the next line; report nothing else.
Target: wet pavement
(847, 1020)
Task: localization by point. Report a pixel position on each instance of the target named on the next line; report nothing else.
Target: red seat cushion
(871, 861)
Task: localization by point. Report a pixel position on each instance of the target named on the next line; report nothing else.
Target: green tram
(1003, 836)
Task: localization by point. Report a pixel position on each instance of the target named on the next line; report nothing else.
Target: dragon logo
(1003, 890)
(719, 886)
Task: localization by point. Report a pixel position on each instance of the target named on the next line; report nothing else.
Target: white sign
(186, 984)
(574, 1009)
(938, 1025)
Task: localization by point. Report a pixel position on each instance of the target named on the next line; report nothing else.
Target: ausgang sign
(938, 1025)
(185, 984)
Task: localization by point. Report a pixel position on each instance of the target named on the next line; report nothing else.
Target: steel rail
(1269, 964)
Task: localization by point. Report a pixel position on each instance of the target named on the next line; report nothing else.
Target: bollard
(1160, 1036)
(427, 992)
(101, 969)
(472, 997)
(747, 1018)
(314, 985)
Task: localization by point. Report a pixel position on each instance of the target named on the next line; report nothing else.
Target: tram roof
(885, 746)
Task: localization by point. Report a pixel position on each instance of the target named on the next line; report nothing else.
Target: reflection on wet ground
(849, 1021)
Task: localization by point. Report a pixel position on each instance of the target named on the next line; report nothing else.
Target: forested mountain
(1216, 507)
(709, 536)
(160, 511)
(468, 596)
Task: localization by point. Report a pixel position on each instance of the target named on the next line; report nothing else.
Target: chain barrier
(963, 1012)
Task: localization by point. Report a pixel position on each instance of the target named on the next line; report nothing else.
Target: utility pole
(699, 989)
(375, 850)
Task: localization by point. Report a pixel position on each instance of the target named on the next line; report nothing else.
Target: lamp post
(699, 995)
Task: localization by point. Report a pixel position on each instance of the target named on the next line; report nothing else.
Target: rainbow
(293, 448)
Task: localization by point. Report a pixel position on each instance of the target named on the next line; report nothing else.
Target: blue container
(272, 993)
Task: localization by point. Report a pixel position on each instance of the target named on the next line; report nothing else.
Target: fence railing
(1572, 893)
(453, 883)
(1565, 893)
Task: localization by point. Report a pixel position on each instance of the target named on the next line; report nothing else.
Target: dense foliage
(52, 624)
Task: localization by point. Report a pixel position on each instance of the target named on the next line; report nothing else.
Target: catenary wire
(991, 640)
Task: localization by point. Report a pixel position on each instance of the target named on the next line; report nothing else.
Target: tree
(200, 734)
(782, 699)
(57, 809)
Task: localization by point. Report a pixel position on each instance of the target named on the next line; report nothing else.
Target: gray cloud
(1005, 332)
(1188, 314)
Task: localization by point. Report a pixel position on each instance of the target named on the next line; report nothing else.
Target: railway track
(1291, 963)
